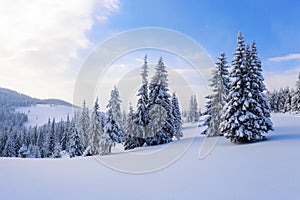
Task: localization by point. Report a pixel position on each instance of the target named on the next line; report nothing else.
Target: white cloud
(285, 58)
(275, 80)
(41, 42)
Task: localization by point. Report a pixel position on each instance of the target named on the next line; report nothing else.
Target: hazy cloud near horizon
(41, 43)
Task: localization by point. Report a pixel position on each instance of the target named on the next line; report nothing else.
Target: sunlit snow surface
(262, 170)
(39, 114)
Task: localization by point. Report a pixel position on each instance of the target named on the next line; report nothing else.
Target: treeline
(285, 99)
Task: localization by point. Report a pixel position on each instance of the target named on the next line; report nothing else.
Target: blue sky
(214, 24)
(44, 43)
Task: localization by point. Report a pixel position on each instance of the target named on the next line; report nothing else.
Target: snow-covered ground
(262, 170)
(39, 114)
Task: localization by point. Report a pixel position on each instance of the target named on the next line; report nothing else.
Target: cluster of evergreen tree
(85, 134)
(158, 116)
(39, 142)
(285, 99)
(238, 107)
(193, 114)
(156, 120)
(102, 131)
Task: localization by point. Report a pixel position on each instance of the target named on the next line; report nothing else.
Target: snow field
(262, 170)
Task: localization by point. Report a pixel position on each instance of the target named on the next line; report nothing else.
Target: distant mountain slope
(12, 98)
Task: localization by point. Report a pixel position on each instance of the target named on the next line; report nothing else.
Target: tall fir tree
(288, 101)
(114, 104)
(113, 125)
(137, 132)
(10, 148)
(177, 117)
(142, 112)
(93, 146)
(76, 144)
(112, 134)
(50, 138)
(113, 130)
(84, 124)
(130, 129)
(159, 98)
(244, 116)
(219, 83)
(66, 135)
(193, 113)
(296, 96)
(258, 91)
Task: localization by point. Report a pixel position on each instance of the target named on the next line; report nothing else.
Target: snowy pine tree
(76, 144)
(217, 101)
(258, 91)
(114, 104)
(136, 133)
(9, 148)
(93, 146)
(49, 139)
(193, 114)
(84, 124)
(244, 118)
(142, 112)
(130, 129)
(159, 97)
(35, 151)
(177, 117)
(288, 101)
(112, 134)
(66, 135)
(113, 131)
(296, 96)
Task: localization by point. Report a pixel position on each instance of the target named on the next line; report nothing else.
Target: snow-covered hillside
(40, 113)
(262, 170)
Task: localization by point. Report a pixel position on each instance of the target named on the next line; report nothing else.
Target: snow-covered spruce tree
(130, 129)
(35, 151)
(57, 150)
(93, 146)
(177, 117)
(159, 97)
(217, 100)
(112, 134)
(258, 92)
(50, 138)
(142, 112)
(207, 113)
(193, 114)
(296, 96)
(196, 112)
(190, 114)
(244, 117)
(136, 137)
(113, 131)
(66, 135)
(288, 101)
(76, 144)
(3, 139)
(9, 148)
(114, 104)
(84, 124)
